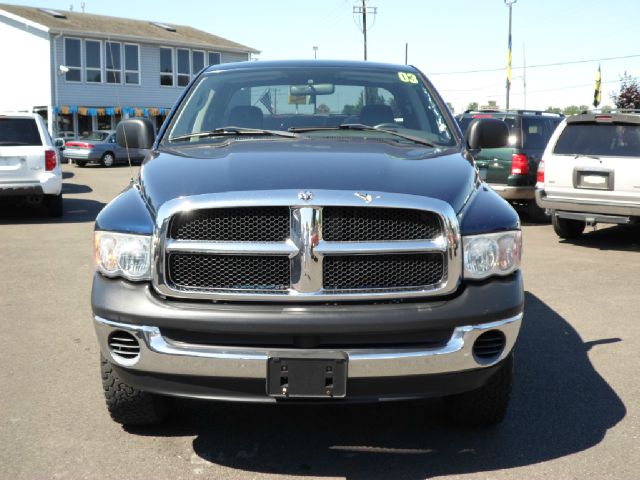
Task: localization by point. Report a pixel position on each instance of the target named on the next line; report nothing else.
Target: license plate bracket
(307, 377)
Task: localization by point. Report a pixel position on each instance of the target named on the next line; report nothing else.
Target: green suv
(511, 170)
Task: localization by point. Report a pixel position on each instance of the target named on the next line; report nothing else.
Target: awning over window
(111, 111)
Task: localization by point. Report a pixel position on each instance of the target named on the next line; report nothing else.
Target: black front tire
(567, 228)
(126, 404)
(486, 406)
(54, 205)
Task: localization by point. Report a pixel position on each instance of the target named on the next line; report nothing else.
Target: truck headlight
(492, 254)
(123, 255)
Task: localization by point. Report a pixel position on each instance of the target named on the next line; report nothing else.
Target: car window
(99, 136)
(19, 132)
(599, 139)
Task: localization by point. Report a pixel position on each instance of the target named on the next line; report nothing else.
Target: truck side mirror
(59, 142)
(487, 133)
(135, 133)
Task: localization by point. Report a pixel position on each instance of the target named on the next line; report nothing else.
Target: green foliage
(575, 109)
(472, 106)
(553, 109)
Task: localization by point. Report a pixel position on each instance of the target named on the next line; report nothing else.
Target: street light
(509, 3)
(315, 52)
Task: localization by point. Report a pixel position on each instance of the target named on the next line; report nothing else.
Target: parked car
(100, 147)
(511, 170)
(30, 172)
(327, 261)
(591, 172)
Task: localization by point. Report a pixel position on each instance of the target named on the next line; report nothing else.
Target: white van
(590, 172)
(30, 169)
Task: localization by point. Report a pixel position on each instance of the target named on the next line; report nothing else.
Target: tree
(629, 94)
(472, 106)
(451, 109)
(553, 109)
(323, 108)
(574, 109)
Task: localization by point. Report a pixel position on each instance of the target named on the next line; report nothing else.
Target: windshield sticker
(407, 77)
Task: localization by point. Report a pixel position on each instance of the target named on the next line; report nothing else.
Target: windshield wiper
(366, 128)
(232, 132)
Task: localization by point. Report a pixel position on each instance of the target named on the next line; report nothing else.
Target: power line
(540, 65)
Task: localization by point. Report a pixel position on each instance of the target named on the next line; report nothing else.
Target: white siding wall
(25, 75)
(148, 94)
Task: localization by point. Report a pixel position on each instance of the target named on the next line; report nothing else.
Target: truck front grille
(387, 246)
(229, 272)
(243, 224)
(370, 272)
(348, 224)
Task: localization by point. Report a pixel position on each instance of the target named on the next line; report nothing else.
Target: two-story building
(86, 71)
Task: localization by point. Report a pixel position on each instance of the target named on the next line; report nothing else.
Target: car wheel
(80, 163)
(487, 405)
(537, 214)
(107, 160)
(54, 206)
(567, 228)
(128, 405)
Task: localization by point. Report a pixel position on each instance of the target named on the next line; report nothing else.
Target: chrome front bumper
(159, 355)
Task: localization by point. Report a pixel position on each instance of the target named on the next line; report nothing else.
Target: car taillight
(519, 164)
(79, 144)
(50, 160)
(540, 176)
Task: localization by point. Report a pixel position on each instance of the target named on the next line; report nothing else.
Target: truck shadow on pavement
(619, 237)
(560, 406)
(76, 210)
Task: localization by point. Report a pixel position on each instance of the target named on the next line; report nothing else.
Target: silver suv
(590, 172)
(30, 169)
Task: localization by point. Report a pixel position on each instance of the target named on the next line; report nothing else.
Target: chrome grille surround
(306, 248)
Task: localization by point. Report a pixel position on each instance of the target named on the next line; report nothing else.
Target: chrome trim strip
(158, 354)
(381, 248)
(306, 236)
(229, 248)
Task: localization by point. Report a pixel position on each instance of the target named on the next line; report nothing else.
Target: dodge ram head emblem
(364, 196)
(305, 196)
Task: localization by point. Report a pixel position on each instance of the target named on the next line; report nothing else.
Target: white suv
(30, 169)
(590, 172)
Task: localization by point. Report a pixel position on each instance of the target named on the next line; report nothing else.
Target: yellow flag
(597, 94)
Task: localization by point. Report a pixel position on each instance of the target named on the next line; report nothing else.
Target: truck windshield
(313, 102)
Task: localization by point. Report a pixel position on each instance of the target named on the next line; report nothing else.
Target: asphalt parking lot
(575, 411)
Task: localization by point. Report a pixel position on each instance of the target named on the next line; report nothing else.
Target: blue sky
(443, 37)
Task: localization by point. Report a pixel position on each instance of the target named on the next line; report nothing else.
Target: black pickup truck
(311, 232)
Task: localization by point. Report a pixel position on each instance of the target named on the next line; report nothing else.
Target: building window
(197, 61)
(92, 61)
(214, 58)
(131, 64)
(113, 61)
(73, 59)
(166, 66)
(184, 67)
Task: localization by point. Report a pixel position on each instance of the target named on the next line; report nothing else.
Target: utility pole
(509, 3)
(364, 26)
(406, 53)
(524, 75)
(363, 10)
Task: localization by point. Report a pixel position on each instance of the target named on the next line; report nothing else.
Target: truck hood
(356, 165)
